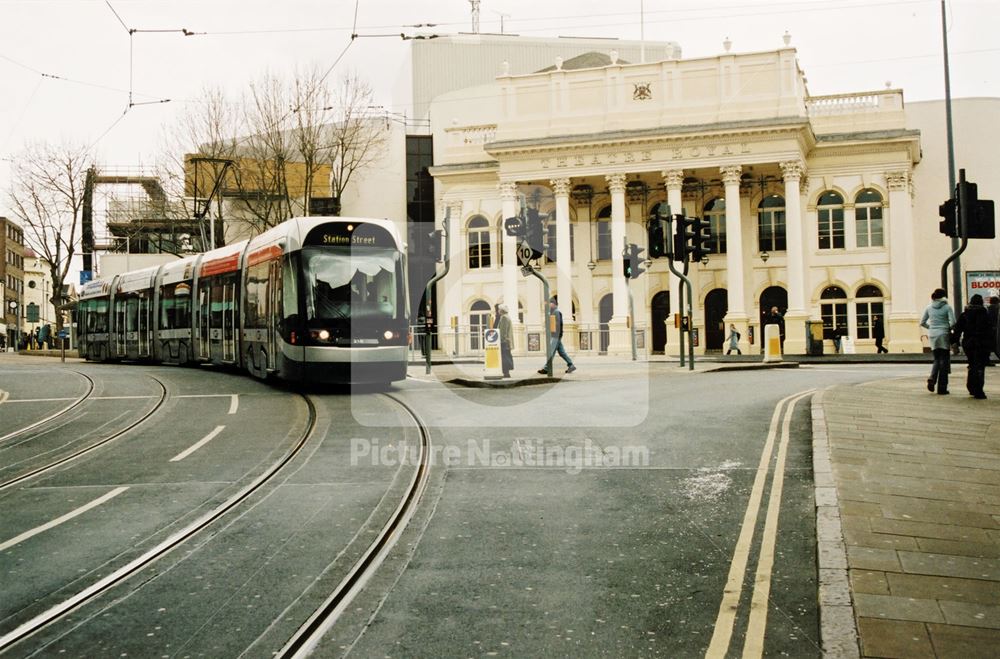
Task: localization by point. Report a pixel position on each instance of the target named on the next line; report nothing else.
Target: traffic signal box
(534, 232)
(434, 244)
(632, 261)
(680, 237)
(974, 219)
(656, 237)
(701, 236)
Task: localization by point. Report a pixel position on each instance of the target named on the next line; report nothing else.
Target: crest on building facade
(643, 91)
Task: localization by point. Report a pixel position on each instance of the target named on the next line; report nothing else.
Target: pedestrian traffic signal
(632, 261)
(656, 237)
(680, 237)
(534, 233)
(949, 225)
(981, 222)
(701, 237)
(434, 245)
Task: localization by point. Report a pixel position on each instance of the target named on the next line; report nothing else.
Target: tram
(314, 299)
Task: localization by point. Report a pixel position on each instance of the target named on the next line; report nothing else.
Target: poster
(982, 282)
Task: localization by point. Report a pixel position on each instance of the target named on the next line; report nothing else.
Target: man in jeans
(556, 340)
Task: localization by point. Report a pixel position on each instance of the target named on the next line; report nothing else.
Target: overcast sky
(65, 64)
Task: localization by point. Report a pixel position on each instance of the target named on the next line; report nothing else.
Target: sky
(70, 68)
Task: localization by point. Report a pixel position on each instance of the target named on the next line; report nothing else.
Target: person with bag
(555, 336)
(506, 328)
(938, 320)
(734, 340)
(973, 330)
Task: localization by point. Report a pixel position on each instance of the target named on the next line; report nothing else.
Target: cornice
(458, 169)
(649, 136)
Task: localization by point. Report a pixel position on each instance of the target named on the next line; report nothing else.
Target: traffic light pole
(962, 241)
(955, 243)
(430, 289)
(684, 281)
(549, 356)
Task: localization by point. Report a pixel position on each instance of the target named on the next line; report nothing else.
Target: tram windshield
(355, 284)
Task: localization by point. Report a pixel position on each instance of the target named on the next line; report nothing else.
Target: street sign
(63, 334)
(524, 253)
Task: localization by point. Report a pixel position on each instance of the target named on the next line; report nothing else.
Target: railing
(836, 104)
(466, 342)
(473, 135)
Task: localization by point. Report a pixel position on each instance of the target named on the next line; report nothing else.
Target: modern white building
(825, 207)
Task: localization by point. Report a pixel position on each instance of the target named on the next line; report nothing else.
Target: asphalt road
(620, 517)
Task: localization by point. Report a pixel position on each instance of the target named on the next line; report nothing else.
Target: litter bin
(814, 338)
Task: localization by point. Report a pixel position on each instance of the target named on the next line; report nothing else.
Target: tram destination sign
(350, 234)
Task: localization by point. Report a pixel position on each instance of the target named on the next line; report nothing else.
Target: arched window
(552, 240)
(833, 310)
(868, 218)
(479, 320)
(479, 243)
(868, 304)
(771, 224)
(604, 234)
(715, 213)
(830, 225)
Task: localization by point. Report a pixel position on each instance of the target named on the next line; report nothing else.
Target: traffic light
(514, 227)
(981, 222)
(434, 245)
(680, 237)
(534, 233)
(701, 236)
(656, 239)
(949, 225)
(632, 261)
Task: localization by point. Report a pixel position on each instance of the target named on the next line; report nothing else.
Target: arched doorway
(660, 312)
(773, 296)
(716, 306)
(606, 311)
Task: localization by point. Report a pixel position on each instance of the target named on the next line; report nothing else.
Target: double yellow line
(753, 644)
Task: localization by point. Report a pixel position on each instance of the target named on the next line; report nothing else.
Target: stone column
(735, 264)
(902, 328)
(510, 208)
(798, 313)
(619, 339)
(564, 264)
(674, 179)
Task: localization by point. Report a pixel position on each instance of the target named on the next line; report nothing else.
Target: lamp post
(13, 306)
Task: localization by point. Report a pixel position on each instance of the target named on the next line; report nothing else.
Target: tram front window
(352, 285)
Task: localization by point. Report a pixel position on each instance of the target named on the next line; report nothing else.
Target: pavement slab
(915, 477)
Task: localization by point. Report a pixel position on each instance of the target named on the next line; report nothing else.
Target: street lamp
(764, 256)
(12, 305)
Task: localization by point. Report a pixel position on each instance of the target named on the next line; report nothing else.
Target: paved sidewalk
(913, 481)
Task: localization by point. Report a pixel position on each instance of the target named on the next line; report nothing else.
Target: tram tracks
(6, 483)
(76, 403)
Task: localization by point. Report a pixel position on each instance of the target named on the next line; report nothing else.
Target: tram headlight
(388, 335)
(323, 335)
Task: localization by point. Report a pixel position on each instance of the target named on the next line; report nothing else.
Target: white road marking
(59, 520)
(753, 643)
(201, 442)
(724, 622)
(31, 400)
(235, 404)
(3, 396)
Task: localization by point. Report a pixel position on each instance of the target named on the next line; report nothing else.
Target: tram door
(222, 319)
(143, 324)
(121, 325)
(274, 313)
(204, 295)
(229, 321)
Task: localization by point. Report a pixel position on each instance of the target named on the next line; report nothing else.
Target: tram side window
(289, 290)
(215, 309)
(95, 316)
(257, 310)
(175, 306)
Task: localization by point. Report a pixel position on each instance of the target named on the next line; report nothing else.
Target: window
(479, 318)
(868, 219)
(868, 304)
(833, 310)
(771, 224)
(604, 234)
(715, 213)
(831, 221)
(479, 243)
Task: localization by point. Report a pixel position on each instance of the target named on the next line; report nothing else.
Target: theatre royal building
(820, 206)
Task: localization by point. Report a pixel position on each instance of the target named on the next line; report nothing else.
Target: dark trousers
(878, 344)
(976, 379)
(941, 369)
(506, 359)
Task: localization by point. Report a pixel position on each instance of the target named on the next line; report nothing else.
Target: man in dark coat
(878, 331)
(993, 312)
(973, 331)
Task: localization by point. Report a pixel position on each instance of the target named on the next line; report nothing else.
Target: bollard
(772, 343)
(492, 367)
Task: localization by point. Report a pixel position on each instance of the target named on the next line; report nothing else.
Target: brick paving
(908, 503)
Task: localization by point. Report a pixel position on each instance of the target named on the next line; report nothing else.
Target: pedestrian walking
(734, 340)
(974, 332)
(938, 320)
(993, 312)
(556, 334)
(506, 328)
(838, 338)
(878, 331)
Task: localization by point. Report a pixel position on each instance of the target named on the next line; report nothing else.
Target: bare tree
(46, 196)
(356, 138)
(311, 112)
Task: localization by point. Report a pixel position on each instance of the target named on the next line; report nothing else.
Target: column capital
(616, 183)
(560, 186)
(792, 169)
(899, 181)
(508, 190)
(731, 174)
(674, 178)
(455, 206)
